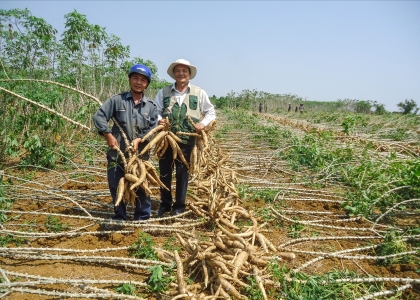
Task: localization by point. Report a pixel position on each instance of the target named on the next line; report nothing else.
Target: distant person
(265, 107)
(260, 108)
(301, 108)
(296, 109)
(289, 108)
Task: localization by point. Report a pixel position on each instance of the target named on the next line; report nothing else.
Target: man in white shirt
(176, 102)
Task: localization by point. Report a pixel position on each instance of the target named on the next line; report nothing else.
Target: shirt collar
(174, 89)
(131, 96)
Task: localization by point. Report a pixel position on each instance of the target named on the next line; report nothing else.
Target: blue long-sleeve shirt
(136, 120)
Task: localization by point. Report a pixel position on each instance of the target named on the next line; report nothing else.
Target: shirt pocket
(166, 102)
(193, 102)
(144, 120)
(121, 115)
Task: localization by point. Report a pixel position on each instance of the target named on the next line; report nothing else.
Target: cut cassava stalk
(46, 108)
(61, 115)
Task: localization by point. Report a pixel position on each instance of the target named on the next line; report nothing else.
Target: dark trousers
(143, 203)
(166, 167)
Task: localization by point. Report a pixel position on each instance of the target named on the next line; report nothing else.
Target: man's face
(182, 74)
(138, 83)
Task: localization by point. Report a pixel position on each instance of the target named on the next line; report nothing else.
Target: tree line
(250, 100)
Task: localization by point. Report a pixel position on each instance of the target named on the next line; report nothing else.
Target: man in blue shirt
(137, 115)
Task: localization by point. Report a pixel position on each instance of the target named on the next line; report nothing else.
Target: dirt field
(58, 243)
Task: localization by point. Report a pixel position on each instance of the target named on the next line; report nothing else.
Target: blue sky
(319, 50)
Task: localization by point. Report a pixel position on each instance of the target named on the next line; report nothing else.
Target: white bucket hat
(181, 61)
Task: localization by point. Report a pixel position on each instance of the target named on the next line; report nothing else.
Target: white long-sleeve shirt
(207, 109)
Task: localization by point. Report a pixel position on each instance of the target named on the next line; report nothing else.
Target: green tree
(27, 44)
(90, 58)
(408, 107)
(28, 51)
(218, 102)
(363, 107)
(379, 108)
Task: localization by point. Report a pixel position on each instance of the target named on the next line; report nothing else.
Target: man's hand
(199, 127)
(136, 143)
(110, 140)
(162, 122)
